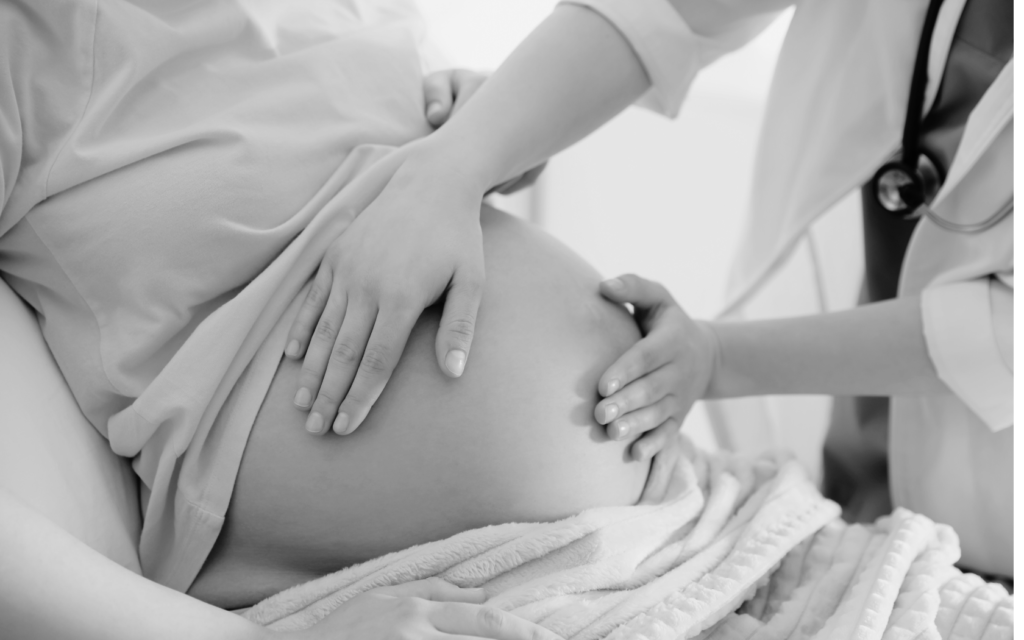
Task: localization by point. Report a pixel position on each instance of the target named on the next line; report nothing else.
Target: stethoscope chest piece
(906, 185)
(901, 190)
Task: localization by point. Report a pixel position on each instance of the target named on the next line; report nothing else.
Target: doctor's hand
(649, 390)
(419, 240)
(676, 468)
(422, 610)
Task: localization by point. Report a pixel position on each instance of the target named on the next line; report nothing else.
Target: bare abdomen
(512, 440)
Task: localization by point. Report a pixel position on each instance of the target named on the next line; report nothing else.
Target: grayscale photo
(506, 319)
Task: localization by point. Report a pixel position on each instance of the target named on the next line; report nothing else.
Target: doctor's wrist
(470, 159)
(713, 345)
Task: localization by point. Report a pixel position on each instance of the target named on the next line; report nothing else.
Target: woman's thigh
(513, 439)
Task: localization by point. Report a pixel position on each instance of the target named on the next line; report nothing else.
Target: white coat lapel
(835, 113)
(979, 183)
(987, 121)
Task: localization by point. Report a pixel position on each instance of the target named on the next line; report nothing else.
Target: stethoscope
(904, 186)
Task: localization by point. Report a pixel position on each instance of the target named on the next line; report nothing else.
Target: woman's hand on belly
(514, 439)
(419, 239)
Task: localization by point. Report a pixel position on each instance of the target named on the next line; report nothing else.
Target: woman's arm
(53, 586)
(874, 350)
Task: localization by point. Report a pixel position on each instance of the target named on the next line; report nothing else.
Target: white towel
(751, 551)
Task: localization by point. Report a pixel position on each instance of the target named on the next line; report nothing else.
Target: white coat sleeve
(671, 52)
(968, 329)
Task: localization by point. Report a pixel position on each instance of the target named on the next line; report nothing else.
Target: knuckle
(434, 81)
(377, 359)
(344, 354)
(471, 282)
(325, 329)
(399, 299)
(645, 359)
(354, 399)
(461, 327)
(410, 607)
(491, 619)
(327, 396)
(536, 633)
(316, 296)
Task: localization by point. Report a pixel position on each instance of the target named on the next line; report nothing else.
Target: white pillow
(51, 458)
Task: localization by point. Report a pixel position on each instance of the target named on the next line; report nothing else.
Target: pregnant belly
(512, 440)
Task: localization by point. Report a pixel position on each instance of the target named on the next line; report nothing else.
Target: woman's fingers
(310, 313)
(438, 95)
(320, 347)
(342, 361)
(383, 350)
(458, 322)
(434, 589)
(486, 622)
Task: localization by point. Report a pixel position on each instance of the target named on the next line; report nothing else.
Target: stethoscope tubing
(976, 227)
(911, 150)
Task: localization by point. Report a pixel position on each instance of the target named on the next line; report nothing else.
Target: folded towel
(749, 551)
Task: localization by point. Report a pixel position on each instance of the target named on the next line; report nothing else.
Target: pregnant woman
(172, 178)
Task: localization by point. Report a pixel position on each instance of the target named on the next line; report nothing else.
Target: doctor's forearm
(571, 75)
(877, 349)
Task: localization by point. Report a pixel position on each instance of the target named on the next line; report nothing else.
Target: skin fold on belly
(514, 439)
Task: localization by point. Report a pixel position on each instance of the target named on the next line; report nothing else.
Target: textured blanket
(750, 550)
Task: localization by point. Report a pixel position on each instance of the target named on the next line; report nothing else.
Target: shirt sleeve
(961, 323)
(670, 51)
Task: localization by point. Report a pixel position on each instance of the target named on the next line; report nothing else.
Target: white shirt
(835, 114)
(171, 176)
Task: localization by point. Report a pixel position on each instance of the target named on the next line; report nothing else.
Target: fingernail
(614, 284)
(341, 424)
(455, 361)
(613, 386)
(617, 431)
(292, 350)
(611, 411)
(433, 109)
(315, 423)
(302, 398)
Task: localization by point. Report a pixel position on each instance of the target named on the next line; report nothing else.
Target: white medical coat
(835, 114)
